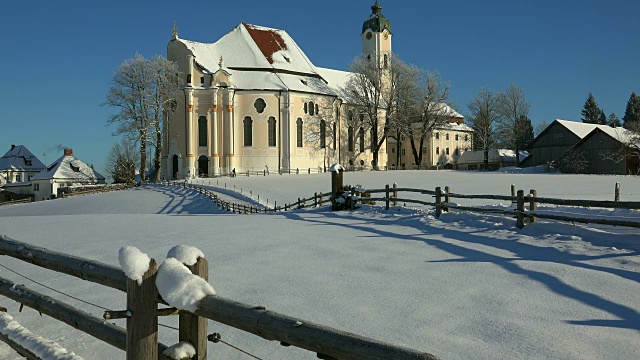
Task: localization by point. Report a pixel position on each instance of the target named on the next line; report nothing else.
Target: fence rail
(327, 342)
(13, 202)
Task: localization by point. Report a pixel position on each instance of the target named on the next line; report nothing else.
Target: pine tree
(524, 132)
(631, 117)
(602, 119)
(591, 113)
(614, 121)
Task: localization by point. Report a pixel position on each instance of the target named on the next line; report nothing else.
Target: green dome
(376, 22)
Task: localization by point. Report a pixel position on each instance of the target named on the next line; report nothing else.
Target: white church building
(253, 100)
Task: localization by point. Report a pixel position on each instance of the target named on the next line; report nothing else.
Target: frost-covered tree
(483, 117)
(122, 160)
(540, 128)
(591, 112)
(513, 108)
(371, 89)
(631, 118)
(141, 92)
(421, 97)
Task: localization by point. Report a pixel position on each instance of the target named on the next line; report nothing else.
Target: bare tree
(513, 108)
(421, 106)
(540, 128)
(140, 90)
(122, 160)
(319, 133)
(484, 115)
(371, 90)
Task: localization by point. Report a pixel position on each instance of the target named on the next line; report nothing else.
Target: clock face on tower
(369, 35)
(385, 35)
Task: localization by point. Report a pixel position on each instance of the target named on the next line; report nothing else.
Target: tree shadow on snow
(183, 201)
(444, 236)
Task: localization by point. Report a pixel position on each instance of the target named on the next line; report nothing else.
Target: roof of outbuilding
(17, 158)
(68, 167)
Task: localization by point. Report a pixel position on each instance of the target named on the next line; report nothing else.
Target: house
(63, 172)
(19, 165)
(254, 100)
(555, 140)
(441, 148)
(606, 150)
(498, 158)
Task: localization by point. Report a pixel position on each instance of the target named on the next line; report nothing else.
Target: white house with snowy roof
(253, 100)
(19, 165)
(64, 172)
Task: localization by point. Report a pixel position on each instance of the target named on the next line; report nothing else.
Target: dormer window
(74, 168)
(304, 82)
(202, 80)
(286, 59)
(27, 162)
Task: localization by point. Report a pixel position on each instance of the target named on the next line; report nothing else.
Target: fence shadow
(431, 232)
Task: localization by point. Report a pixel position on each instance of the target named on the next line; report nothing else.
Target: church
(253, 100)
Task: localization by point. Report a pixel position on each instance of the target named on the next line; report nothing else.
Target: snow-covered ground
(462, 286)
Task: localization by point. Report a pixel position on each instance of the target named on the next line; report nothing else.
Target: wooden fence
(89, 190)
(139, 339)
(13, 202)
(442, 203)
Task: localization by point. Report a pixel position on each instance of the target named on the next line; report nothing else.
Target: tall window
(323, 134)
(299, 132)
(334, 135)
(202, 131)
(350, 135)
(317, 109)
(311, 108)
(272, 130)
(305, 108)
(361, 139)
(248, 131)
(437, 136)
(447, 151)
(447, 136)
(386, 61)
(437, 150)
(456, 137)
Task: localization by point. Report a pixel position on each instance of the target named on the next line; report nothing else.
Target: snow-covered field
(462, 286)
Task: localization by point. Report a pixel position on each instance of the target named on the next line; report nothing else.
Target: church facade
(253, 101)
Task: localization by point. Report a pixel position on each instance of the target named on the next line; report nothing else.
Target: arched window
(203, 166)
(437, 150)
(466, 137)
(202, 131)
(305, 108)
(259, 104)
(456, 137)
(175, 167)
(350, 135)
(447, 151)
(248, 131)
(386, 61)
(446, 136)
(350, 115)
(317, 109)
(272, 130)
(456, 152)
(437, 136)
(323, 134)
(189, 79)
(311, 108)
(299, 132)
(361, 139)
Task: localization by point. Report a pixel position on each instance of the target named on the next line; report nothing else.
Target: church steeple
(376, 37)
(376, 21)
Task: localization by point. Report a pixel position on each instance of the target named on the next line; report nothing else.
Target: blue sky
(58, 57)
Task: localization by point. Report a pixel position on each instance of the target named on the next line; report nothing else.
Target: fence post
(353, 200)
(617, 192)
(513, 190)
(446, 198)
(193, 328)
(438, 201)
(299, 204)
(309, 170)
(532, 204)
(142, 325)
(275, 206)
(520, 210)
(315, 199)
(297, 171)
(395, 194)
(386, 188)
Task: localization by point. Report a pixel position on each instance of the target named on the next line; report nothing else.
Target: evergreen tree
(602, 119)
(524, 132)
(591, 113)
(614, 121)
(631, 117)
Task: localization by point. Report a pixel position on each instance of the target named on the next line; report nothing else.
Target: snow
(181, 350)
(463, 286)
(186, 254)
(133, 262)
(69, 167)
(179, 287)
(39, 346)
(14, 159)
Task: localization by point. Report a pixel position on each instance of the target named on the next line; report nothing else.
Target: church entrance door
(203, 166)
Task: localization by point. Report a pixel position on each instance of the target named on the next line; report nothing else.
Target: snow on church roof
(262, 58)
(21, 159)
(68, 167)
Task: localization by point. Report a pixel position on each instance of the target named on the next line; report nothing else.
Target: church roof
(19, 158)
(68, 167)
(376, 21)
(262, 58)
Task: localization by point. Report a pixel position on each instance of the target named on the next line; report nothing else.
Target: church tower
(376, 37)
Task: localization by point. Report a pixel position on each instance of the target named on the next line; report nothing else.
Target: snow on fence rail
(142, 300)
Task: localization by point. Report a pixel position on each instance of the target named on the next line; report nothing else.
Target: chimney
(12, 146)
(68, 152)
